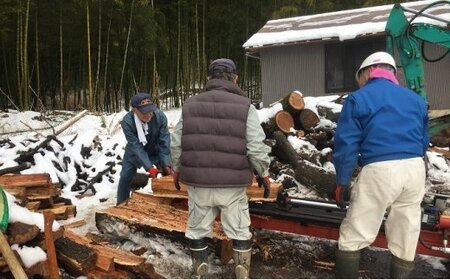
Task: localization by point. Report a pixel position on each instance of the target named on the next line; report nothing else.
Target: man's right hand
(176, 180)
(152, 172)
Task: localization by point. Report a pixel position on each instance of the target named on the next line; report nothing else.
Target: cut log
(75, 224)
(314, 177)
(33, 205)
(163, 187)
(20, 233)
(306, 119)
(281, 121)
(283, 149)
(293, 102)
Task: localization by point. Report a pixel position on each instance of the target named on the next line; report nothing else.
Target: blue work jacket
(381, 121)
(157, 150)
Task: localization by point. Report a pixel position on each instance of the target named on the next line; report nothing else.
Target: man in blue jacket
(383, 128)
(148, 143)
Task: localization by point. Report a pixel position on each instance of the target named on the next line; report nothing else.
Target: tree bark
(314, 177)
(307, 119)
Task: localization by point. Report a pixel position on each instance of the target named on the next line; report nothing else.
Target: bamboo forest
(95, 54)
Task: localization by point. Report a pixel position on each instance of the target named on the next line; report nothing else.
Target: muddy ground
(294, 256)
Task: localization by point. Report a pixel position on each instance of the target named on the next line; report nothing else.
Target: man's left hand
(340, 193)
(167, 170)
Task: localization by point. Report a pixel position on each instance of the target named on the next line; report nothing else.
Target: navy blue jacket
(381, 121)
(157, 150)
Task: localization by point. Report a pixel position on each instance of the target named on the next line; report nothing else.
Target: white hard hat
(377, 58)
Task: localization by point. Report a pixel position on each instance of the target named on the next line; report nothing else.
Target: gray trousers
(206, 203)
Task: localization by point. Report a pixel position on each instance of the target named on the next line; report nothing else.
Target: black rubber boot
(401, 269)
(347, 264)
(242, 255)
(199, 258)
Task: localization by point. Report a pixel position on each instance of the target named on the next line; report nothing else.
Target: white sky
(89, 128)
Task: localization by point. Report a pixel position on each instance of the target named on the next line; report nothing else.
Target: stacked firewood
(306, 163)
(37, 193)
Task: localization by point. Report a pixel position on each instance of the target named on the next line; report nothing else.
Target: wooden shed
(319, 54)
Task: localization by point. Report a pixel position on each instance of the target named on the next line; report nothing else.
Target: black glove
(264, 182)
(176, 180)
(340, 193)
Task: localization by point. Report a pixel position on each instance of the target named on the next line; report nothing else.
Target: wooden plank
(164, 187)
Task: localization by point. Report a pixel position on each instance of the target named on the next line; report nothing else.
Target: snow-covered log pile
(300, 131)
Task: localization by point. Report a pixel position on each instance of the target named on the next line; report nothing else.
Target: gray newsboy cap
(222, 65)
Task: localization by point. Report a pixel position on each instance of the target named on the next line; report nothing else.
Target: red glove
(264, 182)
(167, 170)
(152, 172)
(176, 180)
(340, 193)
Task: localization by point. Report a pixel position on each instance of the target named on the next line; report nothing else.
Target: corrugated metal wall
(302, 67)
(437, 76)
(285, 69)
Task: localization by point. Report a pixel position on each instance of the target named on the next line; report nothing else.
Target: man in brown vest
(215, 146)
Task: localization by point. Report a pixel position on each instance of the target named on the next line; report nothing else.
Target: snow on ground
(103, 134)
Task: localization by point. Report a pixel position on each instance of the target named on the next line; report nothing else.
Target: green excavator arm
(407, 37)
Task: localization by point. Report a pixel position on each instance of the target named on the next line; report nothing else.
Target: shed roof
(341, 25)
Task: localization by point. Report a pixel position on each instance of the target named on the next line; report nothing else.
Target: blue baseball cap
(143, 102)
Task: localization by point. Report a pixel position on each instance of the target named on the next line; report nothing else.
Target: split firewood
(38, 269)
(75, 224)
(20, 233)
(164, 187)
(108, 258)
(148, 218)
(76, 258)
(293, 102)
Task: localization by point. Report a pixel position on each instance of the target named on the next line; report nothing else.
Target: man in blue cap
(148, 143)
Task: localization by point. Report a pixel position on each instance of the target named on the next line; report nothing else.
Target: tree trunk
(314, 177)
(126, 46)
(91, 103)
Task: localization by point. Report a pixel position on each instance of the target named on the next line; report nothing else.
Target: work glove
(167, 170)
(152, 172)
(264, 182)
(340, 193)
(176, 180)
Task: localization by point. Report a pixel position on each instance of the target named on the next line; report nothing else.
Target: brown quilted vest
(214, 145)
